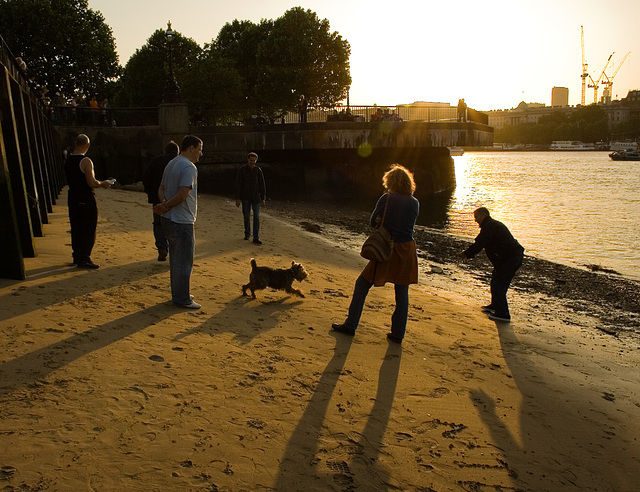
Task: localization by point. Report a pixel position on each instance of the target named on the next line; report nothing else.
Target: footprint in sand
(439, 393)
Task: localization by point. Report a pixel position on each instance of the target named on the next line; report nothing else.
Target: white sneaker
(191, 305)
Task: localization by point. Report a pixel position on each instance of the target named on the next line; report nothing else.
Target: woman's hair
(399, 179)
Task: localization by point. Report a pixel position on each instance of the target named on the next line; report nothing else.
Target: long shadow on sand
(29, 368)
(265, 315)
(27, 298)
(298, 462)
(299, 465)
(555, 420)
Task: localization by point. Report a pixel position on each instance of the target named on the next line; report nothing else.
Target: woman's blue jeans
(181, 240)
(400, 314)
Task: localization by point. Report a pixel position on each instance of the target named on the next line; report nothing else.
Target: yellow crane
(608, 83)
(595, 84)
(585, 71)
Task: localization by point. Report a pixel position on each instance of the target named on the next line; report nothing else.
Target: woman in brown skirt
(401, 269)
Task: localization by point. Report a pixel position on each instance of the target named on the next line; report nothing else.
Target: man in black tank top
(83, 211)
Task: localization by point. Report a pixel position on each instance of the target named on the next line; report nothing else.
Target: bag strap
(384, 214)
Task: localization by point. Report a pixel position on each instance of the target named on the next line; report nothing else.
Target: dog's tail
(253, 264)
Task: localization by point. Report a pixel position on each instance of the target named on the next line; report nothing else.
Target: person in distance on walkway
(81, 200)
(506, 255)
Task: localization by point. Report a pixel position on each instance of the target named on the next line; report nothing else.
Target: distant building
(524, 113)
(617, 111)
(560, 97)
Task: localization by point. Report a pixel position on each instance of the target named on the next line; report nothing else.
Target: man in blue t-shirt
(178, 194)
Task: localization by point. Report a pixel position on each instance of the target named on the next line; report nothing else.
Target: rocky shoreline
(612, 300)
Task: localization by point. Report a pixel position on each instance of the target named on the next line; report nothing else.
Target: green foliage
(238, 42)
(213, 83)
(145, 75)
(282, 59)
(586, 124)
(66, 45)
(301, 56)
(630, 129)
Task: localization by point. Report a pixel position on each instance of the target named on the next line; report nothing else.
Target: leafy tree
(145, 75)
(587, 124)
(213, 83)
(301, 56)
(66, 45)
(628, 129)
(238, 42)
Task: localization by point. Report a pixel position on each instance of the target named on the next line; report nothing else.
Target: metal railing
(228, 116)
(87, 116)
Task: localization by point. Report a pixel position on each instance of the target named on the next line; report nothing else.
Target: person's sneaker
(257, 241)
(488, 309)
(162, 256)
(495, 317)
(191, 305)
(89, 265)
(393, 338)
(343, 329)
(246, 237)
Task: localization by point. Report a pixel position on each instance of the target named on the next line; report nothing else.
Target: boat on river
(621, 145)
(571, 145)
(625, 155)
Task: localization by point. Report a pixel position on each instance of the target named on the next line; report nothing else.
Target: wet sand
(104, 385)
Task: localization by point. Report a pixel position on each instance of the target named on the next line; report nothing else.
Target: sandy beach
(105, 386)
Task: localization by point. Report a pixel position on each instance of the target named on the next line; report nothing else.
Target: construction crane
(585, 71)
(608, 83)
(595, 84)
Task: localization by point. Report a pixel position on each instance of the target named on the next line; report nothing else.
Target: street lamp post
(171, 89)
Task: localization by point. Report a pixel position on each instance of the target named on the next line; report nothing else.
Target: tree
(301, 56)
(282, 59)
(238, 42)
(66, 45)
(145, 75)
(213, 83)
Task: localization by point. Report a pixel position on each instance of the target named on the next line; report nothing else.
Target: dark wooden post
(14, 165)
(28, 161)
(11, 261)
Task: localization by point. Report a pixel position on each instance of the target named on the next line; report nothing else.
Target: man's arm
(163, 207)
(263, 188)
(86, 165)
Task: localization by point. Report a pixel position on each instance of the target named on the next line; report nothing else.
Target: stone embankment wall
(316, 161)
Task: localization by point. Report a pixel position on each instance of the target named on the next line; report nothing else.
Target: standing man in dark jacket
(251, 192)
(151, 180)
(505, 254)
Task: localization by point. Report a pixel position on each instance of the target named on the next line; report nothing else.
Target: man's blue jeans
(247, 207)
(400, 314)
(161, 240)
(181, 240)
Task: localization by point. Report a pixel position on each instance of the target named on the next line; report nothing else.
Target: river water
(575, 208)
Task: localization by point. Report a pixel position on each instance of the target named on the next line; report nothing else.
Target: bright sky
(493, 53)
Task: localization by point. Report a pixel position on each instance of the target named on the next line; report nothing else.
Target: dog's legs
(294, 291)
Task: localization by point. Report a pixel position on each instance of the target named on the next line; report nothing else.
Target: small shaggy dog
(276, 278)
